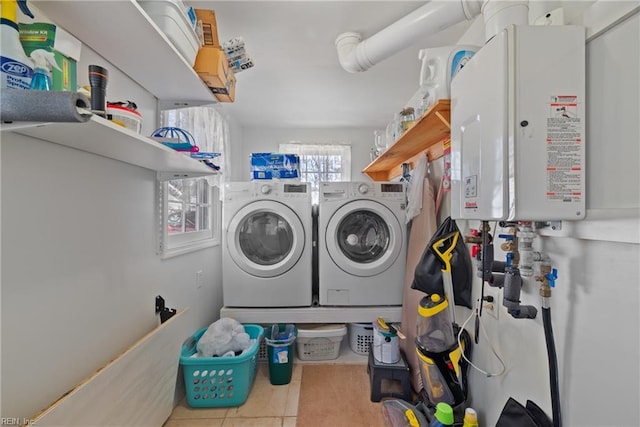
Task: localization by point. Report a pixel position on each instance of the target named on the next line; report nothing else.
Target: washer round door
(363, 238)
(265, 238)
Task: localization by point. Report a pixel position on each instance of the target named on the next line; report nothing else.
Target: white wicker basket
(360, 337)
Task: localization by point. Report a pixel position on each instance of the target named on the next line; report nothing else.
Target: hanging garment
(422, 228)
(414, 188)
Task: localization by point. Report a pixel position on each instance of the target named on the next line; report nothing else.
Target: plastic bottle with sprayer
(15, 67)
(43, 61)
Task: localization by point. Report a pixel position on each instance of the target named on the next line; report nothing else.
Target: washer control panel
(375, 190)
(363, 188)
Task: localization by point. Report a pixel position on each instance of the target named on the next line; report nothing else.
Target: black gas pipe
(545, 292)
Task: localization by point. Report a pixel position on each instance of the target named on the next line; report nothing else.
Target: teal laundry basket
(217, 382)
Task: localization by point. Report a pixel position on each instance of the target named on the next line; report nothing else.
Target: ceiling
(297, 81)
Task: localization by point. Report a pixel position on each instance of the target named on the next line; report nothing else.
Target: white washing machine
(266, 244)
(362, 243)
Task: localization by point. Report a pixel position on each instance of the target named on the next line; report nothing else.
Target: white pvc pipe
(499, 14)
(356, 55)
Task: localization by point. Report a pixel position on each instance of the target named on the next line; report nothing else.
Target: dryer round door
(265, 238)
(363, 238)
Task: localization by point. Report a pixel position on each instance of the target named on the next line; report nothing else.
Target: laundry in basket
(212, 382)
(223, 336)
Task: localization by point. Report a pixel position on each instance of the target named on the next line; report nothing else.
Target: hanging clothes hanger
(406, 173)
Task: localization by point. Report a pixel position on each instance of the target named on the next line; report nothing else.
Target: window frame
(172, 245)
(210, 130)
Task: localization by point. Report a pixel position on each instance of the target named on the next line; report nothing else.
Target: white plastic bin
(171, 17)
(360, 337)
(319, 341)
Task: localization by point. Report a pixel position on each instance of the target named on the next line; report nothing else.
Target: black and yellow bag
(428, 275)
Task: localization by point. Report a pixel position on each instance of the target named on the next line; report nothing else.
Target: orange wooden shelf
(427, 135)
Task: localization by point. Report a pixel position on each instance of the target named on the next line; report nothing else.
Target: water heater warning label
(564, 150)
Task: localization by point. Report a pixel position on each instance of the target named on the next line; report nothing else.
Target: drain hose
(553, 367)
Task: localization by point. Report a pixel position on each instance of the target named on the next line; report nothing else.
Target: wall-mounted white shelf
(123, 33)
(101, 137)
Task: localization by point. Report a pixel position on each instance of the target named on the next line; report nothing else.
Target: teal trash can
(280, 339)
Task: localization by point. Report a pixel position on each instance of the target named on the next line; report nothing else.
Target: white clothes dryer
(266, 244)
(362, 243)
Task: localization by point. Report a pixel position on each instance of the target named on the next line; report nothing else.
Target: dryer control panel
(393, 190)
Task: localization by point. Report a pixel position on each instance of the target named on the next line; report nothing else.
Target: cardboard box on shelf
(230, 96)
(213, 68)
(209, 27)
(65, 48)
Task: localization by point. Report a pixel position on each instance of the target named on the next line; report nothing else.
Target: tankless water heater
(518, 127)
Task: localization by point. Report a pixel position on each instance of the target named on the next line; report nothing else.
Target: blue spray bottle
(43, 61)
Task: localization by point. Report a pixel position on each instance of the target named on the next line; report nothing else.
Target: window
(191, 216)
(190, 209)
(321, 163)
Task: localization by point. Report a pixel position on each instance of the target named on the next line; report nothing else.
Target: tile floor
(266, 406)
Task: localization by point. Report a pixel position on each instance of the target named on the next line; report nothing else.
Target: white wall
(267, 140)
(235, 157)
(79, 266)
(595, 304)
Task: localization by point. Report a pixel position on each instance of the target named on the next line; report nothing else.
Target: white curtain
(320, 163)
(210, 131)
(322, 159)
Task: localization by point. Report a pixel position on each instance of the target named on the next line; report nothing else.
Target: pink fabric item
(423, 227)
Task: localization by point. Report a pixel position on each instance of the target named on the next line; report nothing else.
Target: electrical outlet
(199, 279)
(492, 308)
